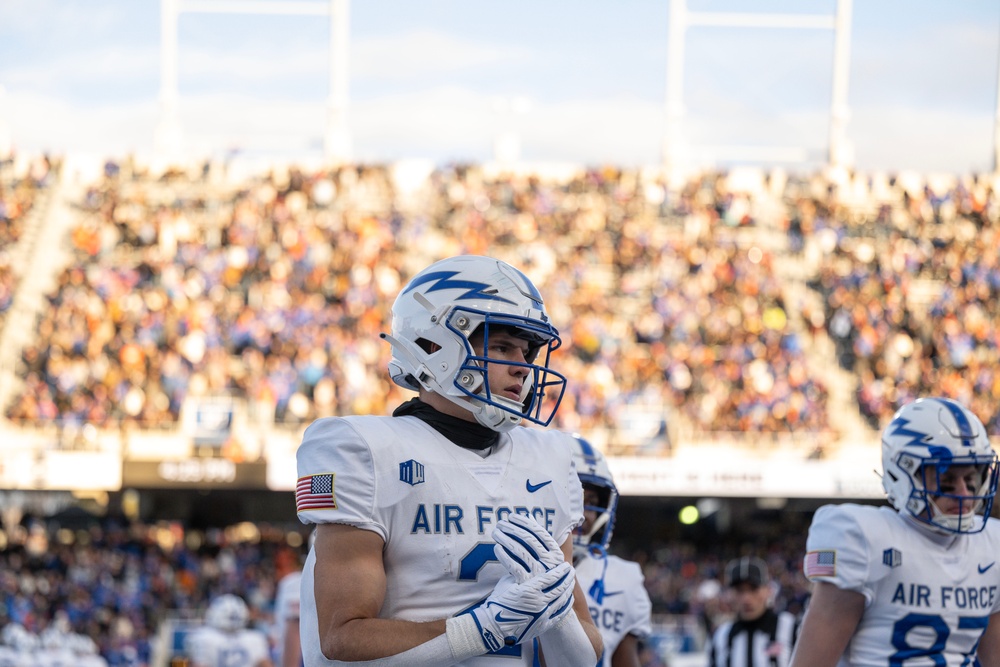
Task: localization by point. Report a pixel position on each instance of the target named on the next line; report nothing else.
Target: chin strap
(599, 524)
(953, 523)
(496, 418)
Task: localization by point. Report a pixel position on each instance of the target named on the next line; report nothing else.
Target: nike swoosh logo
(608, 594)
(534, 487)
(982, 570)
(503, 619)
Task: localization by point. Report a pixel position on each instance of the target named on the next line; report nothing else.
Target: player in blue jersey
(615, 588)
(444, 531)
(916, 583)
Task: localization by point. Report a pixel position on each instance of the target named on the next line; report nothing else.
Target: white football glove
(518, 612)
(525, 548)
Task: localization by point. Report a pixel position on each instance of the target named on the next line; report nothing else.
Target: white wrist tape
(567, 644)
(464, 637)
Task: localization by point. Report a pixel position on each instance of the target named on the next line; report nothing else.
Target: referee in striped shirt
(759, 636)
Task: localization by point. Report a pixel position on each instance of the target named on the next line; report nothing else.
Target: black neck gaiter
(465, 434)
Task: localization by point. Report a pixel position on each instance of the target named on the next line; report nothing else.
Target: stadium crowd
(19, 189)
(117, 581)
(910, 291)
(670, 301)
(273, 290)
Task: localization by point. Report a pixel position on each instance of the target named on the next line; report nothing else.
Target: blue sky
(435, 79)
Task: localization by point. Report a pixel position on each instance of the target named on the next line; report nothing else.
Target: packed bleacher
(275, 288)
(670, 299)
(909, 289)
(20, 186)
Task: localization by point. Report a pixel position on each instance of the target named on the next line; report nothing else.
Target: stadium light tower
(6, 145)
(336, 140)
(676, 153)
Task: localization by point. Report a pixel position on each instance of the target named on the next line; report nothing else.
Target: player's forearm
(989, 643)
(372, 638)
(460, 641)
(291, 649)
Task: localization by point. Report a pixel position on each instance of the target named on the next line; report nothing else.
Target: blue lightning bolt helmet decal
(444, 280)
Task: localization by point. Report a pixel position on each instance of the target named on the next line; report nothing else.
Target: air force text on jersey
(948, 597)
(444, 519)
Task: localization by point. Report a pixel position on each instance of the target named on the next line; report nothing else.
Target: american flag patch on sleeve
(315, 492)
(820, 563)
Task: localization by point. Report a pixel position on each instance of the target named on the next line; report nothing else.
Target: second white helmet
(227, 613)
(925, 439)
(595, 475)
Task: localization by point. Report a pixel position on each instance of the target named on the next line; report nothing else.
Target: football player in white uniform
(225, 641)
(85, 650)
(17, 646)
(288, 652)
(443, 531)
(917, 583)
(55, 650)
(615, 588)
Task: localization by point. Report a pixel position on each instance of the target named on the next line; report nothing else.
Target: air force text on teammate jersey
(444, 518)
(947, 597)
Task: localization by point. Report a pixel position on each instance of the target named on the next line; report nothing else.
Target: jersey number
(468, 570)
(941, 631)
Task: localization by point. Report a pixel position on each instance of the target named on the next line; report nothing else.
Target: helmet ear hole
(428, 346)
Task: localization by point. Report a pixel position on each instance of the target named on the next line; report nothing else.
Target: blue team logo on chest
(411, 472)
(892, 557)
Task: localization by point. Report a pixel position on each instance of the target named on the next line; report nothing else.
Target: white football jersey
(435, 504)
(90, 661)
(210, 647)
(55, 657)
(928, 597)
(10, 657)
(286, 608)
(616, 596)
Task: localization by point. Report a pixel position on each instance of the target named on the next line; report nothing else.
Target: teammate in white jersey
(225, 641)
(288, 651)
(17, 646)
(443, 531)
(615, 588)
(916, 584)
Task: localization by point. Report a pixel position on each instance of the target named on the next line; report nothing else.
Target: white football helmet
(921, 442)
(228, 613)
(13, 635)
(442, 307)
(594, 474)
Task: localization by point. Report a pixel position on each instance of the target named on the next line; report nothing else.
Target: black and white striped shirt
(764, 642)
